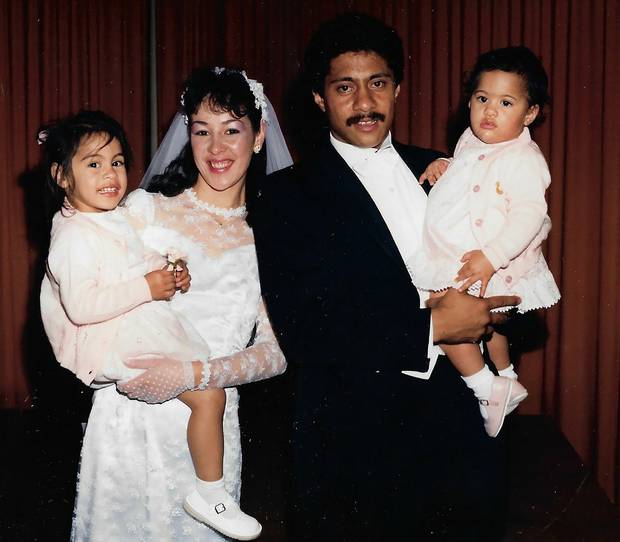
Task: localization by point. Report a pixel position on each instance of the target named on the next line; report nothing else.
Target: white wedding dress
(135, 465)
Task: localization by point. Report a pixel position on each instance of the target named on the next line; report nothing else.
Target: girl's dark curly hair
(61, 139)
(222, 89)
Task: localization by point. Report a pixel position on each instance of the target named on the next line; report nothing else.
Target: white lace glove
(163, 379)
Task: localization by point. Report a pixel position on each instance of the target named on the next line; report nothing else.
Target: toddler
(486, 219)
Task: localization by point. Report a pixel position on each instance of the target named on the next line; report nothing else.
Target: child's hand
(477, 268)
(182, 277)
(434, 170)
(161, 283)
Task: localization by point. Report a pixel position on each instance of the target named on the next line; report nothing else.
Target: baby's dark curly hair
(519, 60)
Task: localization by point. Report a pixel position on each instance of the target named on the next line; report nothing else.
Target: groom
(377, 454)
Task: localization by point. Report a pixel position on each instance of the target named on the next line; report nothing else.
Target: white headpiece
(260, 101)
(278, 155)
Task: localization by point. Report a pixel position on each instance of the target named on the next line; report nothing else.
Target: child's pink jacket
(508, 211)
(85, 290)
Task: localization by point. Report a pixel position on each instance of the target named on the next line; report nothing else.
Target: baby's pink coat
(508, 211)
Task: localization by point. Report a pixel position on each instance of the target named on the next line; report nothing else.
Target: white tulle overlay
(135, 465)
(171, 146)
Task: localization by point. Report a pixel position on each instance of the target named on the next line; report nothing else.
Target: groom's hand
(460, 318)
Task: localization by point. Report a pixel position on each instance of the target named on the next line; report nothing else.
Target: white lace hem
(537, 288)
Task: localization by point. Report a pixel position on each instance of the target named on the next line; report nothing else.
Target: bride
(135, 466)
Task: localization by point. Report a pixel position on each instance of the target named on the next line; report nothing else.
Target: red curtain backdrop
(56, 57)
(574, 373)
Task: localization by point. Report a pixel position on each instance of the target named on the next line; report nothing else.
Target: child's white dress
(492, 198)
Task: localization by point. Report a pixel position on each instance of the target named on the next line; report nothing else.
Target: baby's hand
(434, 170)
(476, 268)
(182, 277)
(161, 283)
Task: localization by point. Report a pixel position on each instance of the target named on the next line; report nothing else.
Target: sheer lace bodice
(190, 222)
(136, 468)
(219, 249)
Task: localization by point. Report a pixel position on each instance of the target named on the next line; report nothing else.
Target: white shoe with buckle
(224, 516)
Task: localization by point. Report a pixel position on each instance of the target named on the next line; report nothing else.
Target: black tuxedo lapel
(332, 174)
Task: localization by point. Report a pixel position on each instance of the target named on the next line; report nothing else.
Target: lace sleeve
(164, 378)
(262, 360)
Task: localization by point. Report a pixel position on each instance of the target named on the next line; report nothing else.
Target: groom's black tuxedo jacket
(371, 447)
(337, 290)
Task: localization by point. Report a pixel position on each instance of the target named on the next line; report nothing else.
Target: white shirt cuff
(433, 350)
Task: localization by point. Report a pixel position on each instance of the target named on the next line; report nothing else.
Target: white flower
(42, 137)
(175, 260)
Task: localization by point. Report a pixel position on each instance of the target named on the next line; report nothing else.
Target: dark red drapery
(60, 55)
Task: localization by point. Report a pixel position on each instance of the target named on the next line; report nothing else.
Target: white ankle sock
(480, 383)
(212, 492)
(215, 493)
(509, 372)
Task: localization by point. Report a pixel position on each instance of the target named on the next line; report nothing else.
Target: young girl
(103, 298)
(487, 217)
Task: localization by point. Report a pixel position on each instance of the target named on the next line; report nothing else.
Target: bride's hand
(163, 379)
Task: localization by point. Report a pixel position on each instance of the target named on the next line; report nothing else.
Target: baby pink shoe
(517, 395)
(494, 409)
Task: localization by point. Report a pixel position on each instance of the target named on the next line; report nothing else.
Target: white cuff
(424, 295)
(433, 352)
(205, 375)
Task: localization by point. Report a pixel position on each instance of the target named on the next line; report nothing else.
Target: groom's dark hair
(351, 32)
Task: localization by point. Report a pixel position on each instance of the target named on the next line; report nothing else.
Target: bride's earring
(257, 148)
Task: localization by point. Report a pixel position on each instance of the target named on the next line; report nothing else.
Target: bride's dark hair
(223, 90)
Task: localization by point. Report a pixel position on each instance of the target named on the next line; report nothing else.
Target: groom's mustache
(369, 116)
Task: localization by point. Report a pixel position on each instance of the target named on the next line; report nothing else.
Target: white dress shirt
(401, 202)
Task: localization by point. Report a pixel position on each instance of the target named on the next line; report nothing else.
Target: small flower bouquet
(175, 260)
